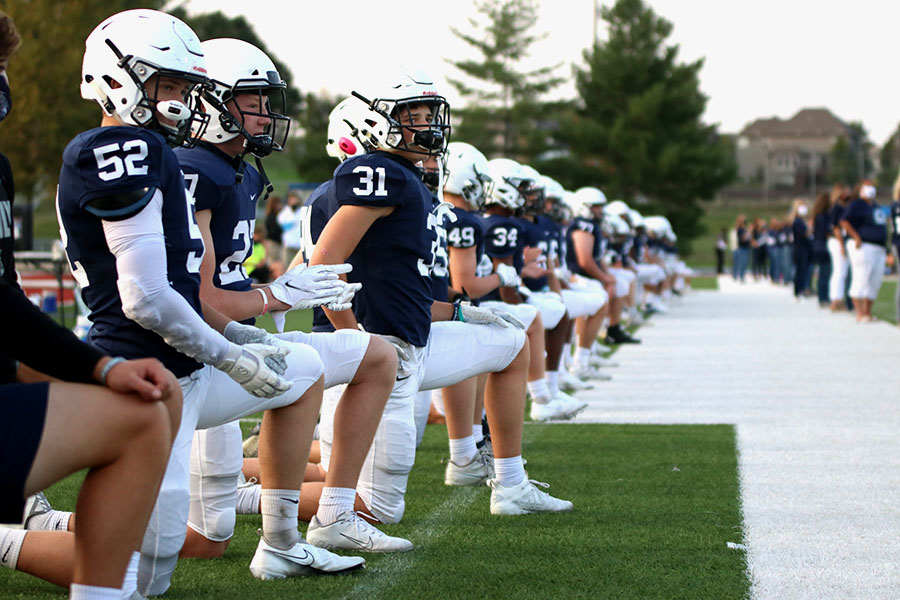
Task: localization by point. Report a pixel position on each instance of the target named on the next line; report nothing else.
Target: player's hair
(10, 40)
(821, 205)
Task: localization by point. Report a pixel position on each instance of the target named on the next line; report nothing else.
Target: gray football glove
(241, 334)
(247, 365)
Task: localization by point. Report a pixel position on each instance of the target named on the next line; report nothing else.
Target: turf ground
(655, 508)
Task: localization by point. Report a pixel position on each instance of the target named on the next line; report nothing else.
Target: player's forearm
(239, 306)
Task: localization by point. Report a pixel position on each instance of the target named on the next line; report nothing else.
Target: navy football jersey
(104, 162)
(503, 237)
(7, 226)
(393, 257)
(591, 226)
(542, 233)
(467, 232)
(211, 176)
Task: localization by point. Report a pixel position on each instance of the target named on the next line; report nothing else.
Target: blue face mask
(5, 98)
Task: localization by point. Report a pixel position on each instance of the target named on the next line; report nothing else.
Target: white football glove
(479, 315)
(247, 366)
(306, 287)
(345, 300)
(508, 276)
(404, 354)
(241, 334)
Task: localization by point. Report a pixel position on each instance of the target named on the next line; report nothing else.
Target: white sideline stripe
(393, 567)
(813, 396)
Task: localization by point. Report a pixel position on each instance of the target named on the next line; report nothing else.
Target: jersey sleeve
(207, 195)
(370, 181)
(583, 225)
(118, 169)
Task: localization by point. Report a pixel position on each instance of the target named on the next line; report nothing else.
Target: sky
(763, 58)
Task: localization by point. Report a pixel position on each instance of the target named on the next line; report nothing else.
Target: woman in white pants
(865, 223)
(840, 266)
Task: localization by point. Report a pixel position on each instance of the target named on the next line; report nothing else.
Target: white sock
(553, 383)
(510, 471)
(566, 357)
(53, 520)
(92, 592)
(478, 433)
(10, 546)
(129, 587)
(333, 503)
(539, 391)
(279, 517)
(248, 499)
(463, 450)
(582, 357)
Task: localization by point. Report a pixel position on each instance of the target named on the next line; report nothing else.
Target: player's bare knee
(379, 362)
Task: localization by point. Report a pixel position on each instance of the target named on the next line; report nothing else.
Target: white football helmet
(467, 174)
(616, 207)
(636, 219)
(509, 183)
(553, 197)
(354, 129)
(659, 226)
(584, 199)
(124, 52)
(614, 225)
(237, 67)
(394, 107)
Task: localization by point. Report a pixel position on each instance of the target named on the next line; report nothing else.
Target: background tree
(639, 132)
(307, 149)
(850, 156)
(503, 113)
(47, 107)
(890, 160)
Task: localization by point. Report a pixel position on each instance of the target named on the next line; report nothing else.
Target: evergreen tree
(503, 114)
(850, 156)
(890, 160)
(638, 133)
(307, 148)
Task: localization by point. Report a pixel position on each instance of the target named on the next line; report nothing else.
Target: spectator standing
(759, 243)
(823, 229)
(895, 241)
(742, 252)
(721, 247)
(801, 246)
(274, 249)
(837, 248)
(865, 223)
(774, 248)
(289, 218)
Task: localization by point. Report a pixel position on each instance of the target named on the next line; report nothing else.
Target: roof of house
(809, 122)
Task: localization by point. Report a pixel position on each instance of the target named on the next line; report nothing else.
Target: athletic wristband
(108, 367)
(265, 301)
(457, 312)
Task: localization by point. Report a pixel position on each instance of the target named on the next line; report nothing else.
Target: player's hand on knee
(241, 334)
(146, 377)
(247, 365)
(479, 315)
(307, 287)
(509, 277)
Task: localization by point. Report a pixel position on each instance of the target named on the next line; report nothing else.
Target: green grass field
(655, 507)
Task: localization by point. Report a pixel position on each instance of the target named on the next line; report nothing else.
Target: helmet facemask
(409, 131)
(272, 103)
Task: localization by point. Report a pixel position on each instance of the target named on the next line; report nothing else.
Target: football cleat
(35, 506)
(600, 348)
(602, 361)
(486, 449)
(573, 406)
(570, 383)
(524, 499)
(474, 472)
(551, 411)
(587, 372)
(251, 444)
(352, 532)
(300, 559)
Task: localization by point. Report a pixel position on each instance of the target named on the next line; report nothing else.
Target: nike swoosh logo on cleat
(306, 559)
(368, 544)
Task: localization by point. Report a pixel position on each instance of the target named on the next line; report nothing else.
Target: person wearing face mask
(865, 223)
(801, 248)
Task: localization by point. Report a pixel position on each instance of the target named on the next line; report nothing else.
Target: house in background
(789, 154)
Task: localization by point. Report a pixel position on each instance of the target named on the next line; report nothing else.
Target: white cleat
(486, 450)
(475, 472)
(551, 411)
(300, 559)
(599, 348)
(573, 406)
(588, 372)
(35, 506)
(352, 532)
(602, 361)
(524, 499)
(570, 383)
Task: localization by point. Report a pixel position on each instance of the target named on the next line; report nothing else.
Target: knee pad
(552, 309)
(213, 507)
